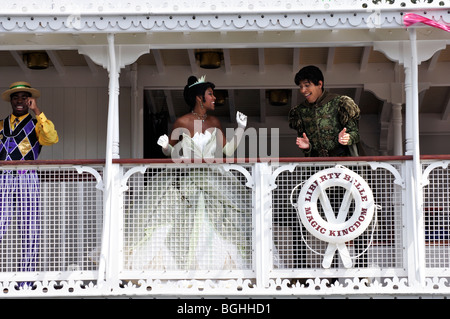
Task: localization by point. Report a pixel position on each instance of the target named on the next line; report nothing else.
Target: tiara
(201, 80)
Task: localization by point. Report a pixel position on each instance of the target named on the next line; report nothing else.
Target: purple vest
(20, 143)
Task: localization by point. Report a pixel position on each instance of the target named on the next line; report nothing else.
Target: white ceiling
(260, 62)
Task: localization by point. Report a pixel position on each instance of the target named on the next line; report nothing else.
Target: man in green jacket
(326, 123)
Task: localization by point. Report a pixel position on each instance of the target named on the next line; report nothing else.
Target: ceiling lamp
(209, 59)
(221, 96)
(278, 97)
(36, 60)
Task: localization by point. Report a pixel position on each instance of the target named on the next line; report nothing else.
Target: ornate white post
(416, 169)
(113, 58)
(408, 56)
(110, 194)
(263, 221)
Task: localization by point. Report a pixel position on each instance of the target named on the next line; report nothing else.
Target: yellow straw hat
(20, 86)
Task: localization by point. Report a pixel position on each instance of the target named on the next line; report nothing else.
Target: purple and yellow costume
(20, 189)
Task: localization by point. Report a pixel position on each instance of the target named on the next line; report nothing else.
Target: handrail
(223, 160)
(264, 160)
(435, 157)
(347, 159)
(54, 162)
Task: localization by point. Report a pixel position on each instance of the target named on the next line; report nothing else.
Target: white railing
(436, 217)
(376, 253)
(52, 227)
(170, 213)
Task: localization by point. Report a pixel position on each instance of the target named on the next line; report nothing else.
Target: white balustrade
(170, 213)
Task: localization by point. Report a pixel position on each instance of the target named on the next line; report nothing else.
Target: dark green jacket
(322, 122)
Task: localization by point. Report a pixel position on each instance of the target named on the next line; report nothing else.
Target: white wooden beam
(261, 61)
(365, 58)
(227, 61)
(19, 60)
(159, 61)
(330, 58)
(92, 66)
(433, 61)
(421, 98)
(296, 60)
(192, 61)
(57, 63)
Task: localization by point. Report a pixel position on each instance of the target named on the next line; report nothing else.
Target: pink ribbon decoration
(412, 18)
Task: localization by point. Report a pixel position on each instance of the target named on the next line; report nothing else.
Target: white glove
(163, 141)
(241, 119)
(232, 145)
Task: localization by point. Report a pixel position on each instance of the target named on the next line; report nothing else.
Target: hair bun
(191, 80)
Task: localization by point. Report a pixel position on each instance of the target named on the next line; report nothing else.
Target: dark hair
(311, 73)
(192, 91)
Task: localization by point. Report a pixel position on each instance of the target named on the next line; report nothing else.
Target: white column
(113, 58)
(407, 54)
(417, 169)
(262, 219)
(409, 143)
(112, 151)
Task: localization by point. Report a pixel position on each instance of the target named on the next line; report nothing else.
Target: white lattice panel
(51, 222)
(379, 246)
(436, 217)
(188, 219)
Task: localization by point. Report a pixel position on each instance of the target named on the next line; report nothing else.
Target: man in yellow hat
(21, 138)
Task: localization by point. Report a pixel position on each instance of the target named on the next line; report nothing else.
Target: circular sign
(338, 226)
